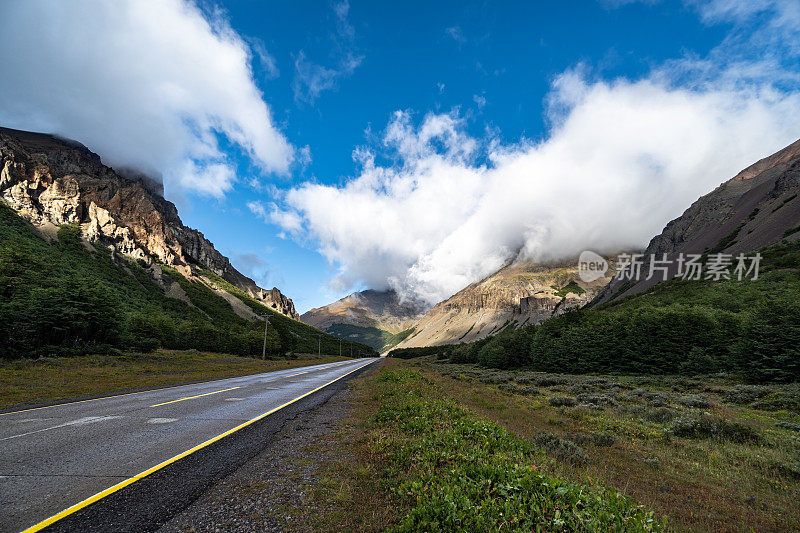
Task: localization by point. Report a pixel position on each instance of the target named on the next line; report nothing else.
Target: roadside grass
(431, 465)
(708, 453)
(44, 380)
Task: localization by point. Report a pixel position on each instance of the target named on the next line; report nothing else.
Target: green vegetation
(687, 327)
(373, 337)
(791, 231)
(570, 287)
(61, 299)
(453, 471)
(728, 240)
(708, 453)
(792, 197)
(397, 338)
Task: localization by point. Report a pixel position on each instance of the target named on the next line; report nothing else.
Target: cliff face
(52, 181)
(757, 207)
(370, 308)
(518, 294)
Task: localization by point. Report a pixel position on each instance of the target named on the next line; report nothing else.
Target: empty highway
(57, 461)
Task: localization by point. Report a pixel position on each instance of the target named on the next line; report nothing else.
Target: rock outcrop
(49, 180)
(520, 293)
(757, 207)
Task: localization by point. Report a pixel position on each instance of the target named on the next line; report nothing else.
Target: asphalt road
(146, 454)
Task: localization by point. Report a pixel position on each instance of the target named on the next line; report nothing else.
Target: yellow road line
(193, 397)
(152, 390)
(122, 484)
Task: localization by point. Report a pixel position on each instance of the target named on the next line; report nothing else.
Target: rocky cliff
(757, 207)
(52, 181)
(518, 294)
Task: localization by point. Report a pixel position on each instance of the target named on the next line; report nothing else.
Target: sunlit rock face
(52, 181)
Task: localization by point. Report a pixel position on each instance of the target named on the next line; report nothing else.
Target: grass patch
(709, 453)
(450, 470)
(570, 287)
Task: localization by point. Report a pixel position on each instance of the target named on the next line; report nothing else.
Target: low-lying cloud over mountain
(622, 158)
(110, 76)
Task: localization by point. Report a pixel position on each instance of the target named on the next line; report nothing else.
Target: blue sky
(327, 147)
(421, 57)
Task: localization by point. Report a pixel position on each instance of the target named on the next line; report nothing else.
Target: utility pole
(319, 344)
(340, 346)
(266, 324)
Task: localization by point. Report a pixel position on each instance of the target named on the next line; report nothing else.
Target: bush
(600, 400)
(562, 401)
(695, 400)
(563, 449)
(706, 427)
(744, 394)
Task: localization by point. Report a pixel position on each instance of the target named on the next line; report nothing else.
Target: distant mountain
(757, 207)
(52, 181)
(92, 261)
(376, 318)
(518, 294)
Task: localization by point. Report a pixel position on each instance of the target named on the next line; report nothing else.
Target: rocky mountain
(757, 207)
(373, 317)
(52, 181)
(520, 293)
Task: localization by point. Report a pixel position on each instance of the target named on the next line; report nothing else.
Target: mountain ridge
(52, 181)
(757, 207)
(520, 293)
(371, 316)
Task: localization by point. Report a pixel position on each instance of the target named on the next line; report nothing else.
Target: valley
(433, 267)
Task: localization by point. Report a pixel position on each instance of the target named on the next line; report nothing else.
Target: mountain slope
(757, 207)
(74, 279)
(376, 318)
(518, 294)
(52, 181)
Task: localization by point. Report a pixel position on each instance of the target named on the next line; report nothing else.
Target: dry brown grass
(27, 382)
(348, 496)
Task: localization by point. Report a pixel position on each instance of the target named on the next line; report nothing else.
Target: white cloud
(143, 83)
(625, 158)
(455, 33)
(622, 158)
(312, 79)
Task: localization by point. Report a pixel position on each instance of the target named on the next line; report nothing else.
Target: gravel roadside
(259, 495)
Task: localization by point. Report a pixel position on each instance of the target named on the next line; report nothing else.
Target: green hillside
(376, 338)
(60, 298)
(751, 328)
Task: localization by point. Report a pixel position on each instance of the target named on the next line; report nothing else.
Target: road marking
(79, 422)
(161, 420)
(193, 397)
(122, 484)
(164, 388)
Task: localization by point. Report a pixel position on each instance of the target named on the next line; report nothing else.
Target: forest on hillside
(748, 327)
(61, 298)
